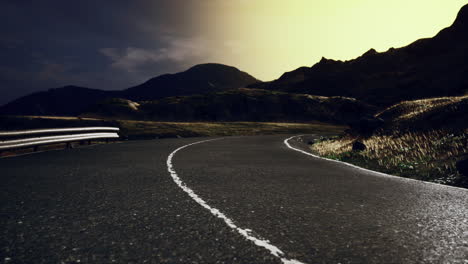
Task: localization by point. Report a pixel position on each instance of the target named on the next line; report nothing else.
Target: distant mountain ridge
(73, 100)
(67, 100)
(427, 68)
(430, 67)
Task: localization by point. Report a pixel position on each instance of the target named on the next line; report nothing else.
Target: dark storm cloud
(100, 44)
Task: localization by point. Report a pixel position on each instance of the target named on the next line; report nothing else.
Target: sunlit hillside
(421, 139)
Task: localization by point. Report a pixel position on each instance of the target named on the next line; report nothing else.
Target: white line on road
(286, 142)
(246, 233)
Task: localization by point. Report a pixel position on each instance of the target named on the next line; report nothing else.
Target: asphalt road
(118, 203)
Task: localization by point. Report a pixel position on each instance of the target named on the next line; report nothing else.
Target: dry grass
(134, 129)
(148, 129)
(425, 155)
(407, 110)
(421, 139)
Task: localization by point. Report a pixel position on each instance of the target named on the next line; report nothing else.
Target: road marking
(286, 142)
(246, 233)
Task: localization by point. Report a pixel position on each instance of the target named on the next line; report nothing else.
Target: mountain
(200, 79)
(73, 100)
(68, 100)
(432, 67)
(237, 105)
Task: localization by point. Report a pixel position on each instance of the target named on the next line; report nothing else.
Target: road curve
(118, 203)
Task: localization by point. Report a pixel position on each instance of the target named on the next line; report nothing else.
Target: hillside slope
(448, 113)
(420, 139)
(238, 105)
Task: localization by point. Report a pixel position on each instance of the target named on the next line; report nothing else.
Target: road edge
(377, 173)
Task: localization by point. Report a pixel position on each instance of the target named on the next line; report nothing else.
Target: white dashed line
(246, 233)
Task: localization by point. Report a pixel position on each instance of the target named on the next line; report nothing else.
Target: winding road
(221, 200)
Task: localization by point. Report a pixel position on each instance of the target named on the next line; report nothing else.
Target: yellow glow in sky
(268, 37)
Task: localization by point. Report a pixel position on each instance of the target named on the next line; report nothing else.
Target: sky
(116, 44)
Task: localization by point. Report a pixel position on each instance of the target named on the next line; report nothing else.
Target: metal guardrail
(56, 130)
(30, 138)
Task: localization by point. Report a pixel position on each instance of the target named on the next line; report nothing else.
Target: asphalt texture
(118, 203)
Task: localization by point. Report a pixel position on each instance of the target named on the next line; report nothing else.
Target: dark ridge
(73, 100)
(370, 53)
(431, 67)
(200, 79)
(462, 18)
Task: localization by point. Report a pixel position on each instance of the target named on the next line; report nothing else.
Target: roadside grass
(134, 129)
(149, 129)
(428, 155)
